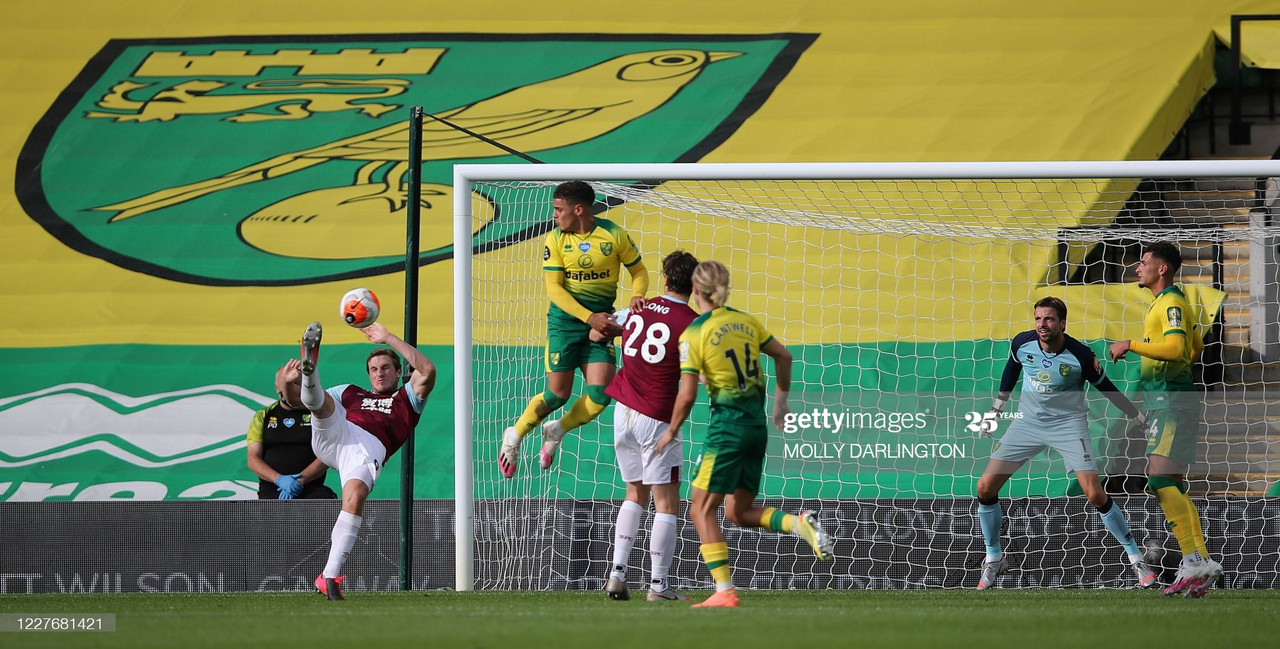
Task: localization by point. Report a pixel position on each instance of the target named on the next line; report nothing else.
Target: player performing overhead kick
(355, 430)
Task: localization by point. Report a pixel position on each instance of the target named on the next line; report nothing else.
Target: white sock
(1135, 559)
(662, 547)
(312, 393)
(345, 531)
(624, 535)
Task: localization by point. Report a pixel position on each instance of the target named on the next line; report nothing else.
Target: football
(359, 308)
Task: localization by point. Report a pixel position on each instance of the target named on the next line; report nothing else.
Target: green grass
(822, 619)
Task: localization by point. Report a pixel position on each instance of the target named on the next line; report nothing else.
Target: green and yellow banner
(193, 183)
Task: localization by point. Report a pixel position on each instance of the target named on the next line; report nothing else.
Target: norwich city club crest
(278, 161)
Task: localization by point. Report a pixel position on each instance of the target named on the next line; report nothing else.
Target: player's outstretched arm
(423, 379)
(1170, 349)
(1008, 379)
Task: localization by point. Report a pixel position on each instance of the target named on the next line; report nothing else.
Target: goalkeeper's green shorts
(733, 459)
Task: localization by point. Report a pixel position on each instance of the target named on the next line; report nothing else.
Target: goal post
(897, 287)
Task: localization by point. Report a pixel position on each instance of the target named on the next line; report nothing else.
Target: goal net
(897, 288)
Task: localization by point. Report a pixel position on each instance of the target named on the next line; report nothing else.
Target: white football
(359, 307)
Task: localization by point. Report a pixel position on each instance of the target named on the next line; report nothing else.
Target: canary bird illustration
(554, 113)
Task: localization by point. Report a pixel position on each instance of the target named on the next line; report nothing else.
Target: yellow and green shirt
(591, 264)
(1169, 314)
(724, 345)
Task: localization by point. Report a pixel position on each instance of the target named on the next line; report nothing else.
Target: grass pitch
(861, 618)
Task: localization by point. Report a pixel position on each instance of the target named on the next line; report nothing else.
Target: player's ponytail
(711, 281)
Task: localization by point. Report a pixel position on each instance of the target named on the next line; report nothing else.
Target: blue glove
(289, 486)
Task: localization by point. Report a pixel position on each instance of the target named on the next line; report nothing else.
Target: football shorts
(1025, 440)
(568, 347)
(635, 438)
(352, 450)
(733, 459)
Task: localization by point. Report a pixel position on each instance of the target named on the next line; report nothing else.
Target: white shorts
(352, 450)
(1025, 440)
(635, 435)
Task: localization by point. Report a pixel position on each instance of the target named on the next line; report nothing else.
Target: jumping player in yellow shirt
(582, 259)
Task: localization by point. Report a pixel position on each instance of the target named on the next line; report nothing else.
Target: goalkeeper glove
(997, 404)
(1140, 422)
(289, 486)
(987, 427)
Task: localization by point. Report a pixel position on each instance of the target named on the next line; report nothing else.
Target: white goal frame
(466, 175)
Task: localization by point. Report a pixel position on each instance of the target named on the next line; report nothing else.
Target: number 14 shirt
(724, 346)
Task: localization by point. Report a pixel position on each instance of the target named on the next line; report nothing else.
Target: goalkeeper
(1051, 413)
(582, 259)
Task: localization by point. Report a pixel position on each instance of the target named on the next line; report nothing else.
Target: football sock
(989, 517)
(1196, 530)
(586, 408)
(1114, 520)
(534, 413)
(345, 531)
(624, 535)
(662, 548)
(312, 393)
(1178, 511)
(716, 556)
(776, 520)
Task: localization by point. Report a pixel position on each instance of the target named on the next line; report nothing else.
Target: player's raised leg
(586, 408)
(741, 511)
(744, 467)
(559, 383)
(313, 395)
(315, 399)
